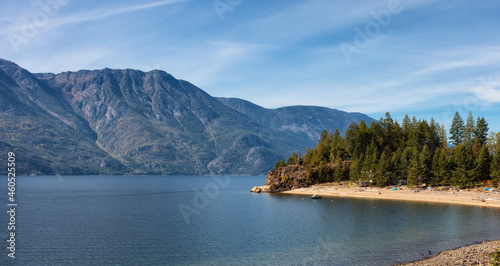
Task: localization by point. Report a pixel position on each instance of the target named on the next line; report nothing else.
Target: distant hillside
(131, 122)
(304, 121)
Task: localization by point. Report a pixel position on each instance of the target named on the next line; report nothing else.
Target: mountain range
(133, 122)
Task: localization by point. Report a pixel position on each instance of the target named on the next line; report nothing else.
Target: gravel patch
(468, 255)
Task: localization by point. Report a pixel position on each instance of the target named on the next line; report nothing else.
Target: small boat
(316, 196)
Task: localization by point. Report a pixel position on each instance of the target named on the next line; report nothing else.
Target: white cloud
(105, 13)
(53, 21)
(488, 89)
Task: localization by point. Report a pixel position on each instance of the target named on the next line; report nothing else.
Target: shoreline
(476, 254)
(473, 197)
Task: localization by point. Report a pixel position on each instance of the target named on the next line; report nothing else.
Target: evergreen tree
(463, 173)
(350, 140)
(323, 148)
(340, 155)
(481, 130)
(338, 173)
(425, 164)
(362, 138)
(476, 148)
(443, 138)
(336, 147)
(370, 164)
(396, 166)
(494, 142)
(355, 169)
(406, 159)
(497, 143)
(388, 135)
(293, 160)
(495, 168)
(483, 164)
(398, 137)
(382, 173)
(414, 170)
(439, 168)
(280, 163)
(406, 124)
(470, 129)
(432, 138)
(457, 130)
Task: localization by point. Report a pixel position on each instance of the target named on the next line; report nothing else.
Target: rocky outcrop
(295, 176)
(286, 178)
(260, 189)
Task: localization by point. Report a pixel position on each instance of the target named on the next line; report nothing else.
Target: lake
(202, 220)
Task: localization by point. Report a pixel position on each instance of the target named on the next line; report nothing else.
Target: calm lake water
(200, 220)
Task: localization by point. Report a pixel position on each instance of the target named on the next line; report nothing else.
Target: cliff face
(296, 176)
(286, 178)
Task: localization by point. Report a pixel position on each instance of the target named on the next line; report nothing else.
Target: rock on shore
(286, 178)
(260, 189)
(470, 255)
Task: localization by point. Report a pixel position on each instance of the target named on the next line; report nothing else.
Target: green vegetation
(415, 151)
(495, 258)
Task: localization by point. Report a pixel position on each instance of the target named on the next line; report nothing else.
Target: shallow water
(111, 220)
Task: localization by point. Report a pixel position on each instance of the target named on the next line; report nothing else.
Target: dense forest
(415, 151)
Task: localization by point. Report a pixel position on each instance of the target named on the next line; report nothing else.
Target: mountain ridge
(127, 121)
(298, 118)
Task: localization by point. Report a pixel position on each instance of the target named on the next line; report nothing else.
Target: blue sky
(425, 58)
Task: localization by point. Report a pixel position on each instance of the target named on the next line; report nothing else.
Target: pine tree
(396, 166)
(439, 168)
(481, 130)
(463, 173)
(483, 164)
(382, 173)
(425, 164)
(443, 138)
(406, 124)
(432, 138)
(293, 160)
(324, 146)
(470, 129)
(338, 173)
(457, 130)
(350, 140)
(495, 168)
(355, 169)
(494, 142)
(388, 126)
(476, 148)
(414, 170)
(406, 158)
(397, 135)
(336, 146)
(280, 163)
(340, 155)
(371, 160)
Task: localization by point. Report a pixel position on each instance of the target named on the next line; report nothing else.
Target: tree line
(415, 151)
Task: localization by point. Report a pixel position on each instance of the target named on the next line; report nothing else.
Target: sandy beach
(474, 197)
